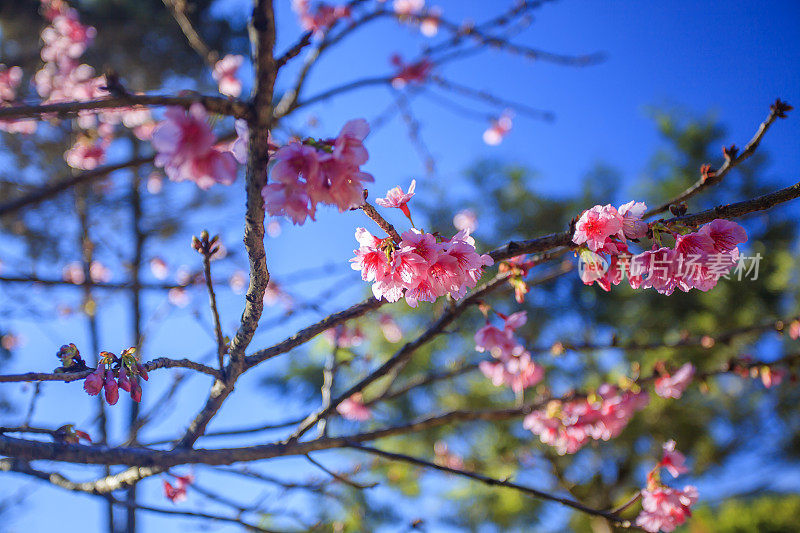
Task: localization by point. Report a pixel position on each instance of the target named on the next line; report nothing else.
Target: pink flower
(404, 8)
(498, 129)
(406, 270)
(724, 234)
(93, 383)
(567, 426)
(595, 226)
(185, 149)
(664, 509)
(498, 342)
(239, 146)
(466, 220)
(9, 81)
(410, 72)
(518, 372)
(673, 386)
(215, 166)
(348, 147)
(352, 408)
(633, 227)
(287, 199)
(370, 259)
(673, 460)
(397, 198)
(86, 154)
(224, 74)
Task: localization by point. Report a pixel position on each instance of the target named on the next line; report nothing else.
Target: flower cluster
(185, 148)
(127, 369)
(224, 74)
(319, 19)
(319, 171)
(10, 78)
(64, 78)
(672, 386)
(512, 365)
(697, 261)
(569, 425)
(422, 266)
(665, 508)
(177, 493)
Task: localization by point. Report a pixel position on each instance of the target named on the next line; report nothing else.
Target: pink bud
(142, 371)
(136, 391)
(112, 392)
(124, 381)
(93, 383)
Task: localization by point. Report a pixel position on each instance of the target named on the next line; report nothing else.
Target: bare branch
(776, 111)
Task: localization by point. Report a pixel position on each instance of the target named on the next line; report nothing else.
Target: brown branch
(207, 248)
(108, 285)
(776, 111)
(214, 104)
(618, 521)
(739, 209)
(306, 334)
(376, 217)
(155, 364)
(487, 97)
(259, 123)
(48, 191)
(403, 353)
(178, 10)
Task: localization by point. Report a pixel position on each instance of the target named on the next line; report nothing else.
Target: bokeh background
(679, 80)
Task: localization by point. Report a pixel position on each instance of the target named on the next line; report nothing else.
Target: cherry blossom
(224, 74)
(466, 220)
(353, 408)
(397, 198)
(633, 227)
(184, 145)
(87, 154)
(518, 372)
(664, 508)
(673, 460)
(673, 386)
(325, 171)
(567, 426)
(597, 224)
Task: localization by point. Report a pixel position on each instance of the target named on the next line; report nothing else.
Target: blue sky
(729, 58)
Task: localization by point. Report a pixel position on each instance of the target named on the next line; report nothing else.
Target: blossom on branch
(184, 145)
(664, 508)
(319, 171)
